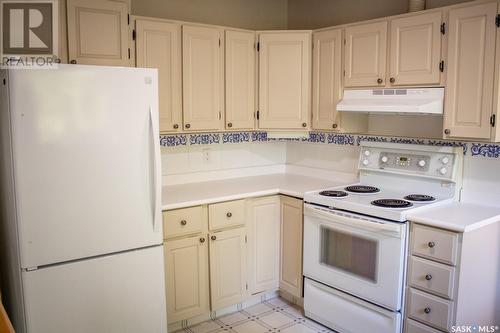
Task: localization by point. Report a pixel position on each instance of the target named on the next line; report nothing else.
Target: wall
(247, 14)
(313, 14)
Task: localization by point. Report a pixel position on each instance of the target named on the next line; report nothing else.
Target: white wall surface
(481, 181)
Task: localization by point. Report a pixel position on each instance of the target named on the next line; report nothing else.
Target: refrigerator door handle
(155, 136)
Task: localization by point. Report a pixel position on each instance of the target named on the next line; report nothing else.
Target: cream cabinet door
(158, 45)
(202, 68)
(98, 32)
(240, 79)
(291, 246)
(263, 224)
(415, 51)
(365, 55)
(186, 266)
(284, 80)
(327, 78)
(227, 267)
(470, 71)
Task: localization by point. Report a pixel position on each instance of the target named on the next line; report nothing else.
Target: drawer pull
(202, 240)
(183, 222)
(428, 277)
(229, 214)
(427, 310)
(431, 244)
(213, 237)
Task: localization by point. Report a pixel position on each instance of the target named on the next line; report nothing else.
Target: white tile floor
(272, 316)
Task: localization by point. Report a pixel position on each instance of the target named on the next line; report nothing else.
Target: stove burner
(419, 197)
(362, 189)
(334, 194)
(392, 203)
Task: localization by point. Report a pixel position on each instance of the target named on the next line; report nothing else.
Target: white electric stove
(356, 236)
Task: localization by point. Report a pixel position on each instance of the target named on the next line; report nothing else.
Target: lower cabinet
(263, 223)
(227, 267)
(186, 277)
(291, 226)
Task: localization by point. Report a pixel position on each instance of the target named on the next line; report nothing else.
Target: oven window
(349, 253)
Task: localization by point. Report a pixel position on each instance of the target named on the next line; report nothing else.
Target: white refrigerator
(81, 231)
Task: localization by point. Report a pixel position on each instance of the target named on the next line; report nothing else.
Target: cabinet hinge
(497, 21)
(443, 28)
(258, 46)
(4, 82)
(441, 66)
(220, 42)
(220, 115)
(493, 120)
(344, 72)
(257, 115)
(128, 19)
(134, 35)
(129, 52)
(246, 239)
(246, 286)
(345, 41)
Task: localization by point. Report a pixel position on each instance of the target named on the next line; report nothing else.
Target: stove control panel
(435, 164)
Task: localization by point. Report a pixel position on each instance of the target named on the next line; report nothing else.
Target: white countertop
(201, 193)
(458, 216)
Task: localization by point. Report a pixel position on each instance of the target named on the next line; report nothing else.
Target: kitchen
(299, 167)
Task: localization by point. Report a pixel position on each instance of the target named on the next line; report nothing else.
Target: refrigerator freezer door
(118, 293)
(86, 155)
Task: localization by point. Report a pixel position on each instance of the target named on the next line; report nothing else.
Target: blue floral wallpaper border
(489, 150)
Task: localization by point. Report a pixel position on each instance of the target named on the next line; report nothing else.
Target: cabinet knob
(379, 81)
(57, 60)
(188, 126)
(213, 237)
(73, 62)
(428, 277)
(447, 131)
(229, 125)
(392, 80)
(229, 214)
(202, 240)
(335, 125)
(176, 126)
(431, 244)
(183, 222)
(427, 310)
(304, 124)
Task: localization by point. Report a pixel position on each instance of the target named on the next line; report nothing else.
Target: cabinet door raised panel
(415, 50)
(186, 262)
(227, 267)
(263, 244)
(284, 80)
(470, 71)
(327, 78)
(202, 78)
(240, 79)
(98, 32)
(365, 55)
(291, 246)
(158, 45)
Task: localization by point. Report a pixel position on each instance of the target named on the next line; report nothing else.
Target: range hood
(399, 101)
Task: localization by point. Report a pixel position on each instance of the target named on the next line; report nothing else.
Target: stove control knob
(366, 162)
(384, 159)
(367, 153)
(445, 160)
(422, 163)
(443, 171)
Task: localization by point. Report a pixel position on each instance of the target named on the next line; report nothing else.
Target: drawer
(430, 309)
(226, 214)
(436, 244)
(416, 327)
(432, 276)
(185, 221)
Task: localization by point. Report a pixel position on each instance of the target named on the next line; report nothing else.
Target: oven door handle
(346, 219)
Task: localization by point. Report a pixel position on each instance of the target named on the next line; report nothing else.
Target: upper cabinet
(470, 71)
(202, 73)
(98, 32)
(284, 80)
(415, 49)
(365, 55)
(158, 45)
(240, 79)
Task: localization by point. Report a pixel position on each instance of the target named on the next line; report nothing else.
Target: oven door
(360, 255)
